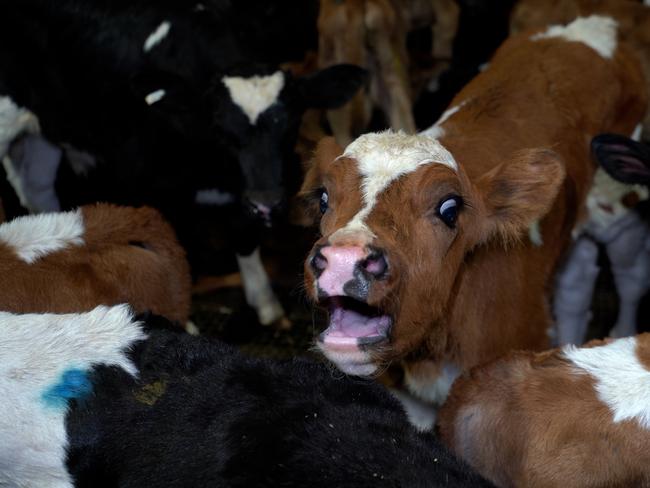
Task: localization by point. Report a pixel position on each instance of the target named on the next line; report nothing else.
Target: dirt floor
(224, 314)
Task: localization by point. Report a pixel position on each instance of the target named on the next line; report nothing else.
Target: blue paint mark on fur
(74, 384)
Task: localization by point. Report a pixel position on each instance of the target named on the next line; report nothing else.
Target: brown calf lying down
(372, 34)
(576, 417)
(96, 255)
(425, 258)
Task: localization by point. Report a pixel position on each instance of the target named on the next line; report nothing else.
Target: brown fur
(152, 275)
(529, 420)
(522, 145)
(372, 34)
(633, 18)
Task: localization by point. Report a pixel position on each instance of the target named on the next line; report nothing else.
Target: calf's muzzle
(347, 270)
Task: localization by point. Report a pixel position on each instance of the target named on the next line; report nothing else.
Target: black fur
(482, 26)
(203, 415)
(79, 65)
(624, 159)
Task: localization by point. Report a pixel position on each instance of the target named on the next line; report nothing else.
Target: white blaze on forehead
(622, 382)
(34, 236)
(597, 32)
(381, 159)
(254, 95)
(157, 36)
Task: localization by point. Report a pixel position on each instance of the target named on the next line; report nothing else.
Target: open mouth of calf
(354, 324)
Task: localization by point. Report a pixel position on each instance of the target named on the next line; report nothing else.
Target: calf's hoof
(270, 313)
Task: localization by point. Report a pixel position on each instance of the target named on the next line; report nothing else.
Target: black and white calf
(100, 399)
(156, 103)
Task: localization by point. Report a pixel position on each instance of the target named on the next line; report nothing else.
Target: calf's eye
(324, 201)
(448, 209)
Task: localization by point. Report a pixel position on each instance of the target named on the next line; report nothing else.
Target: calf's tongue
(350, 324)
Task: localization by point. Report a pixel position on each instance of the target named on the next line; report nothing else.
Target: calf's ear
(306, 208)
(624, 159)
(521, 191)
(333, 86)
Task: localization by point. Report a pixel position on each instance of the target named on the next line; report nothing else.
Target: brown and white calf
(632, 16)
(372, 34)
(425, 256)
(96, 255)
(577, 417)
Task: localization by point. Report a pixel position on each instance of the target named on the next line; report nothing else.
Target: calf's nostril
(319, 262)
(375, 264)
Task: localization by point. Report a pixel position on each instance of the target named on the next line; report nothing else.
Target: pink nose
(338, 266)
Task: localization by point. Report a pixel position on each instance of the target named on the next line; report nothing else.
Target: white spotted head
(256, 94)
(384, 157)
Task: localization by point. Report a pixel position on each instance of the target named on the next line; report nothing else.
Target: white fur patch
(622, 382)
(257, 288)
(154, 96)
(13, 121)
(35, 351)
(35, 236)
(596, 31)
(157, 36)
(382, 158)
(433, 389)
(421, 415)
(605, 201)
(449, 112)
(255, 94)
(353, 363)
(436, 131)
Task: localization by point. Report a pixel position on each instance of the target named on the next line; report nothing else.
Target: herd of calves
(438, 253)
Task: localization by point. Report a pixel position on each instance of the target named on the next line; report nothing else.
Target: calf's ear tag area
(74, 384)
